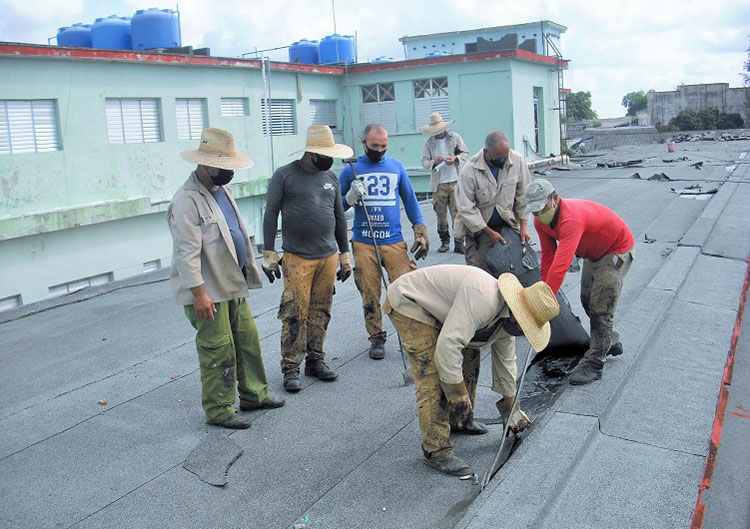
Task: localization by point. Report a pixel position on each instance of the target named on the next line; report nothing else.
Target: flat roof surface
(627, 451)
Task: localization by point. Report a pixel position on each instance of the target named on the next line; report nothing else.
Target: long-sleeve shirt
(455, 146)
(312, 216)
(461, 301)
(479, 194)
(386, 184)
(582, 228)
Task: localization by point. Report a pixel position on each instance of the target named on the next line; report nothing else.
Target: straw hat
(436, 126)
(320, 141)
(532, 307)
(217, 150)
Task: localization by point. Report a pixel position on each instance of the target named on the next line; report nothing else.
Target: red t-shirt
(583, 228)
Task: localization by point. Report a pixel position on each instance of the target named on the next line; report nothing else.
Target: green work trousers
(229, 355)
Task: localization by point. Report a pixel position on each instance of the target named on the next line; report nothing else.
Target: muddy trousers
(367, 277)
(419, 340)
(601, 286)
(444, 202)
(476, 247)
(305, 308)
(229, 356)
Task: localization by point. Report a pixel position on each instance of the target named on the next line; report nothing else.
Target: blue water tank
(305, 52)
(337, 48)
(78, 35)
(155, 28)
(438, 54)
(112, 33)
(382, 59)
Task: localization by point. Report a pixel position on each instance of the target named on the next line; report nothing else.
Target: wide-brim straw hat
(532, 308)
(436, 125)
(320, 141)
(217, 150)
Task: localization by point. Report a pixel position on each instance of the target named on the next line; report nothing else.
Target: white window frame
(379, 106)
(283, 117)
(132, 120)
(431, 95)
(233, 107)
(28, 126)
(323, 112)
(191, 118)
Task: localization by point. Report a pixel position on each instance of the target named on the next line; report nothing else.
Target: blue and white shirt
(386, 185)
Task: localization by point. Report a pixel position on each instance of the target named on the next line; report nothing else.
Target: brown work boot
(234, 421)
(453, 466)
(291, 381)
(588, 370)
(267, 404)
(318, 368)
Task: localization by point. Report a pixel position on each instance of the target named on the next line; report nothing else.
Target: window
(234, 107)
(191, 118)
(133, 120)
(323, 112)
(379, 105)
(28, 126)
(431, 95)
(282, 117)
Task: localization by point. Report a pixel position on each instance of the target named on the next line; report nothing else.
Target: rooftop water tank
(76, 35)
(382, 59)
(438, 54)
(155, 28)
(112, 33)
(305, 52)
(337, 48)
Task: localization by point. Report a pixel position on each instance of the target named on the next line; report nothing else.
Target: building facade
(90, 140)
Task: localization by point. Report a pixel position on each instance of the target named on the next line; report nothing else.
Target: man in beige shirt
(439, 311)
(213, 264)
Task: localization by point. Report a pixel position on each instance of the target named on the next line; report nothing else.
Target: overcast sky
(615, 47)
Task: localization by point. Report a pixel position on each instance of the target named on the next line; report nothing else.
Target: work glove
(271, 265)
(458, 406)
(421, 242)
(355, 193)
(518, 418)
(345, 267)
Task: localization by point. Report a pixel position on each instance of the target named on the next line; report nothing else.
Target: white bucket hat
(320, 141)
(217, 150)
(436, 125)
(532, 308)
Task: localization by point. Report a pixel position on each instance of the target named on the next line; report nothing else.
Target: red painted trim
(61, 52)
(32, 50)
(713, 445)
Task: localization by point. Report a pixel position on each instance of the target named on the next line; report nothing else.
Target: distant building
(89, 140)
(663, 106)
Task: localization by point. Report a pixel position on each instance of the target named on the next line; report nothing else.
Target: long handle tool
(407, 375)
(494, 468)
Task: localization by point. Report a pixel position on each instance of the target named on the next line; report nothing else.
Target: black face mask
(498, 163)
(223, 178)
(374, 156)
(512, 327)
(322, 163)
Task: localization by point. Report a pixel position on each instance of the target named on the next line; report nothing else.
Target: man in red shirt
(594, 232)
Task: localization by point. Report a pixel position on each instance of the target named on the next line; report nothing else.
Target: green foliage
(706, 119)
(635, 102)
(579, 106)
(596, 123)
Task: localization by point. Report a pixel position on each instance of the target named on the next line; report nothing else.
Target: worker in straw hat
(439, 311)
(213, 264)
(314, 239)
(444, 154)
(573, 227)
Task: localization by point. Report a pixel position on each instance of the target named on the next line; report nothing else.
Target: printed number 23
(378, 185)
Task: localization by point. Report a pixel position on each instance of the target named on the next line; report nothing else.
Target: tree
(635, 102)
(578, 106)
(706, 119)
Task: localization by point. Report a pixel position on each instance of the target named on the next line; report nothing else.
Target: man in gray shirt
(313, 232)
